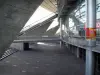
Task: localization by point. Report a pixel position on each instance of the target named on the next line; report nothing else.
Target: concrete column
(60, 22)
(91, 38)
(61, 36)
(67, 25)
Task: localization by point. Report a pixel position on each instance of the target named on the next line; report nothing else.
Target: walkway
(42, 60)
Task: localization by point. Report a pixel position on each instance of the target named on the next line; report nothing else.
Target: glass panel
(80, 14)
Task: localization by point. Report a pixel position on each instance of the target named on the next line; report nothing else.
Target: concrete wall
(18, 46)
(13, 16)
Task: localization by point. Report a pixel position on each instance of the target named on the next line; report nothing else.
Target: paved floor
(42, 60)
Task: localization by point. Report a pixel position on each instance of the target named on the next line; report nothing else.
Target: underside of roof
(50, 5)
(65, 7)
(41, 28)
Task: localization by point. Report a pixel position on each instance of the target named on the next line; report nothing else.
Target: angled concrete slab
(52, 31)
(39, 31)
(13, 16)
(41, 23)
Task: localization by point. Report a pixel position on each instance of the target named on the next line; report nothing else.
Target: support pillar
(77, 52)
(90, 35)
(89, 62)
(60, 28)
(61, 36)
(60, 43)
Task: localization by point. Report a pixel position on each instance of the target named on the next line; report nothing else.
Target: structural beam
(76, 21)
